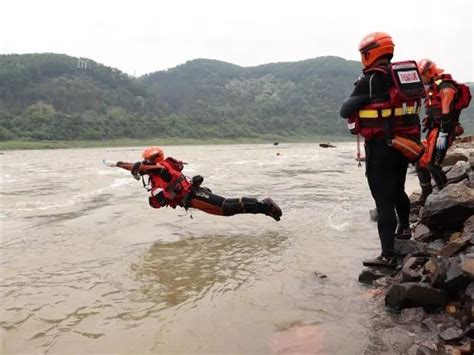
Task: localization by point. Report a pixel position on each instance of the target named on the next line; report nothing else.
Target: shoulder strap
(380, 69)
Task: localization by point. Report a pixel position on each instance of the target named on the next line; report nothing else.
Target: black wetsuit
(386, 167)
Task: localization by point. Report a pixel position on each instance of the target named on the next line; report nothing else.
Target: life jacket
(433, 100)
(170, 188)
(399, 113)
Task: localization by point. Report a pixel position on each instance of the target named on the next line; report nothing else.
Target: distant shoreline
(129, 142)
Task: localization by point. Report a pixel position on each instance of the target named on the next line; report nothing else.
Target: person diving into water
(169, 187)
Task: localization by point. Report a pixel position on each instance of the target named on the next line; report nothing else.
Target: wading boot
(381, 260)
(425, 182)
(438, 176)
(403, 233)
(272, 209)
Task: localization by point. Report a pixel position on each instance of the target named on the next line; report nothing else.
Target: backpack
(463, 97)
(407, 80)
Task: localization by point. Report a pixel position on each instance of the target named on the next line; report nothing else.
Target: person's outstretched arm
(140, 168)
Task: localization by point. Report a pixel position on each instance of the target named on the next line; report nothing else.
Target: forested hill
(52, 96)
(284, 98)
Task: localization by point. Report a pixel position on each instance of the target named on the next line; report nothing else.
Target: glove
(109, 163)
(135, 170)
(442, 141)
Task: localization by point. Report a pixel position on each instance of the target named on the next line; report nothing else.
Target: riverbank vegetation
(53, 100)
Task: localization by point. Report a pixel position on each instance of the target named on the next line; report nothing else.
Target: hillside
(283, 98)
(57, 97)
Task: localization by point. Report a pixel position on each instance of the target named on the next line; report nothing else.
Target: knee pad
(233, 206)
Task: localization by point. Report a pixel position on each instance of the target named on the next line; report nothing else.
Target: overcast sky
(142, 36)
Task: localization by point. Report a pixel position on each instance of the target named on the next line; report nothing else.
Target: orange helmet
(153, 154)
(374, 46)
(428, 68)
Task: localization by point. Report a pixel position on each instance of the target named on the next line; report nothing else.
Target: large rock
(455, 246)
(405, 247)
(467, 265)
(436, 269)
(468, 230)
(435, 247)
(414, 294)
(450, 207)
(456, 279)
(446, 169)
(413, 268)
(458, 172)
(422, 233)
(453, 157)
(369, 275)
(451, 334)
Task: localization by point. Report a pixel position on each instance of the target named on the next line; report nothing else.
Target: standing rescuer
(169, 187)
(384, 109)
(443, 104)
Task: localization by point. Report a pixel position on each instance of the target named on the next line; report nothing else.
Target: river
(88, 267)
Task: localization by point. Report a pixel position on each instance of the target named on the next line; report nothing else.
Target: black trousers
(386, 174)
(204, 200)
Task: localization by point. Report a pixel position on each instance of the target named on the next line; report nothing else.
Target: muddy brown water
(88, 267)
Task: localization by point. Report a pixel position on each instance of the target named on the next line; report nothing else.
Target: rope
(358, 151)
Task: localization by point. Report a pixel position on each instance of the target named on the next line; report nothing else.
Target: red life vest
(171, 192)
(399, 114)
(433, 100)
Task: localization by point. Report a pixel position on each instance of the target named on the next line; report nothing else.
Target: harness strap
(388, 112)
(147, 184)
(170, 188)
(408, 120)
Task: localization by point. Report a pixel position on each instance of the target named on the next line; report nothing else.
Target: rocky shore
(432, 289)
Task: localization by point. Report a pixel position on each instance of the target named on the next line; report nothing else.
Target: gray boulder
(435, 247)
(405, 247)
(468, 230)
(446, 169)
(458, 172)
(467, 265)
(369, 275)
(455, 277)
(450, 207)
(412, 269)
(453, 157)
(422, 233)
(452, 334)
